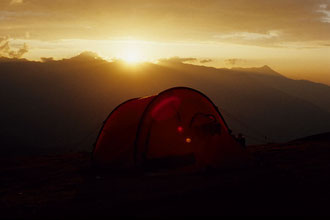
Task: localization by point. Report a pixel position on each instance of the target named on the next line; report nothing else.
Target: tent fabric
(180, 128)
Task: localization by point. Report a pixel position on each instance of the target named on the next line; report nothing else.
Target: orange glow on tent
(188, 140)
(166, 108)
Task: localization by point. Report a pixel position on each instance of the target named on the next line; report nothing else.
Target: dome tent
(180, 128)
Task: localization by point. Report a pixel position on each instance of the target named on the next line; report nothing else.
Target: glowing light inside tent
(180, 129)
(188, 140)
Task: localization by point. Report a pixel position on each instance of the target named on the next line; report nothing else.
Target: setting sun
(132, 57)
(131, 54)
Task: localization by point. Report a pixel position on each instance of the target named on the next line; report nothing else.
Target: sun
(131, 55)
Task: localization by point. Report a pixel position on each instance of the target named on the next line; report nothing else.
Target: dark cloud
(7, 51)
(234, 61)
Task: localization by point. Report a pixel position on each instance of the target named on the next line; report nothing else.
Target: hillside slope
(290, 178)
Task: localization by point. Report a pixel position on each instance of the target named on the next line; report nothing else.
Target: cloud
(4, 44)
(250, 36)
(13, 2)
(192, 60)
(326, 13)
(86, 56)
(253, 22)
(178, 59)
(234, 61)
(205, 60)
(7, 51)
(46, 59)
(19, 53)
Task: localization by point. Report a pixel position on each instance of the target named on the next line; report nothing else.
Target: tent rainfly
(178, 129)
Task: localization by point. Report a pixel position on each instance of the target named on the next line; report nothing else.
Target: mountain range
(56, 106)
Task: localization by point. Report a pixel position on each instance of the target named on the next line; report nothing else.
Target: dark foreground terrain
(289, 179)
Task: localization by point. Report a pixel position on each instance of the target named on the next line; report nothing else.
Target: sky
(290, 36)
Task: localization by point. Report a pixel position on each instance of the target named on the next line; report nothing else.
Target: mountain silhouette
(266, 70)
(86, 56)
(56, 106)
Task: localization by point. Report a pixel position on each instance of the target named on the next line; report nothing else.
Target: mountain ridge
(65, 100)
(265, 69)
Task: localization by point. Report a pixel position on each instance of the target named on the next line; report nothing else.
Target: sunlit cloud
(254, 22)
(249, 35)
(13, 2)
(326, 13)
(179, 59)
(15, 16)
(6, 49)
(205, 60)
(235, 62)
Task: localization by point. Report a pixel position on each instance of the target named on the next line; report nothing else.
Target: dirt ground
(288, 179)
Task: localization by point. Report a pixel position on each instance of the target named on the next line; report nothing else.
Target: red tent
(180, 128)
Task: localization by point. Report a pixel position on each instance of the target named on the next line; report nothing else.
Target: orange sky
(291, 36)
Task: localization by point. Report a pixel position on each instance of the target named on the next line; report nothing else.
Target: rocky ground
(288, 179)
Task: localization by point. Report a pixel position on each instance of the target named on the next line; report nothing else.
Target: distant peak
(266, 67)
(86, 56)
(260, 70)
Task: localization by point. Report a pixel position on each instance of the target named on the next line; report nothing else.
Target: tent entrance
(166, 145)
